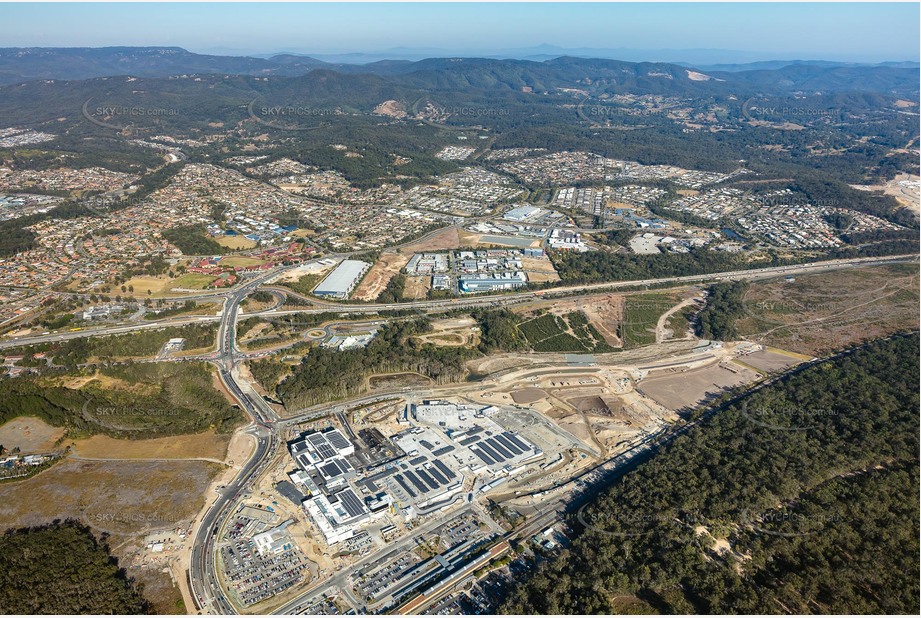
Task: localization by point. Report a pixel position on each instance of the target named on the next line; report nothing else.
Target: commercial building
(343, 279)
(491, 283)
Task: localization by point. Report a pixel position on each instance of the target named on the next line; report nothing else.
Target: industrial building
(491, 283)
(343, 279)
(524, 213)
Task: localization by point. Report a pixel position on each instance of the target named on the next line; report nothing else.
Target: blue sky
(835, 31)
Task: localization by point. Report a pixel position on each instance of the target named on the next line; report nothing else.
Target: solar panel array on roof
(496, 446)
(426, 444)
(437, 476)
(468, 441)
(415, 461)
(416, 482)
(444, 450)
(428, 480)
(445, 469)
(483, 456)
(326, 451)
(516, 441)
(351, 503)
(399, 479)
(316, 439)
(484, 447)
(337, 439)
(505, 442)
(331, 469)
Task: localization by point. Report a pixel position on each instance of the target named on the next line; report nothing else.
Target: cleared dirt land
(452, 332)
(684, 390)
(29, 434)
(417, 287)
(816, 314)
(380, 275)
(445, 239)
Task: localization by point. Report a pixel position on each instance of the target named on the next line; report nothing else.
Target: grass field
(240, 261)
(818, 313)
(209, 445)
(235, 243)
(191, 281)
(119, 497)
(29, 435)
(569, 333)
(641, 314)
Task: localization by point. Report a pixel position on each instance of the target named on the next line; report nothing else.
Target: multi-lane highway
(466, 302)
(267, 427)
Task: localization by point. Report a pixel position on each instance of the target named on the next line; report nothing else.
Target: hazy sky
(834, 31)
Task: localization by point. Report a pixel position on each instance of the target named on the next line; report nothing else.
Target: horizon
(701, 33)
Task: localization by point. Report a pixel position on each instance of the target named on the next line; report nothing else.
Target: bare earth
(30, 434)
(380, 275)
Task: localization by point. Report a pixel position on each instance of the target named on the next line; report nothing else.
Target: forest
(61, 568)
(724, 305)
(800, 497)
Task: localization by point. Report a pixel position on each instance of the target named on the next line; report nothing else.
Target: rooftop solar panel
(316, 439)
(483, 446)
(415, 481)
(508, 445)
(468, 441)
(399, 479)
(415, 461)
(517, 441)
(337, 439)
(331, 469)
(426, 444)
(351, 503)
(483, 457)
(325, 451)
(444, 450)
(445, 469)
(497, 446)
(427, 479)
(437, 476)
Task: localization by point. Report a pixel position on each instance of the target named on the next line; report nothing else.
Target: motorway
(457, 303)
(267, 427)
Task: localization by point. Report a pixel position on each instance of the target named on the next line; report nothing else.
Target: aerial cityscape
(430, 308)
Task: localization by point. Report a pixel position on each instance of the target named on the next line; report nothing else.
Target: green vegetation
(62, 568)
(724, 306)
(138, 344)
(641, 315)
(186, 307)
(304, 285)
(393, 293)
(125, 401)
(813, 479)
(570, 333)
(499, 331)
(193, 240)
(594, 266)
(324, 374)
